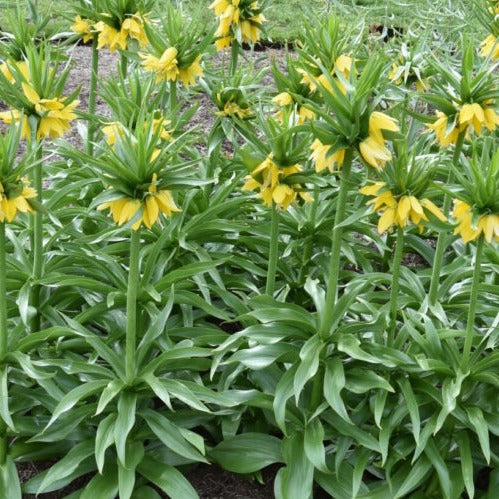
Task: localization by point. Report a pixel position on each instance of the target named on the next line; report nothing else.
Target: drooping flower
(322, 159)
(16, 201)
(54, 116)
(470, 227)
(165, 67)
(267, 179)
(145, 210)
(83, 27)
(132, 28)
(232, 108)
(490, 47)
(399, 210)
(285, 100)
(244, 16)
(21, 66)
(343, 66)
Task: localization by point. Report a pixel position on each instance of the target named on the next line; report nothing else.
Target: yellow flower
(82, 27)
(21, 66)
(144, 211)
(488, 225)
(490, 47)
(133, 26)
(165, 67)
(111, 131)
(322, 159)
(399, 210)
(223, 43)
(10, 205)
(111, 37)
(219, 6)
(54, 116)
(283, 99)
(266, 178)
(381, 121)
(189, 74)
(232, 108)
(374, 153)
(477, 116)
(343, 65)
(445, 137)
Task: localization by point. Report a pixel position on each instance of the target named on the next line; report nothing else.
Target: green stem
(234, 53)
(307, 252)
(173, 96)
(123, 65)
(273, 246)
(397, 260)
(3, 294)
(93, 94)
(3, 330)
(475, 284)
(442, 236)
(131, 305)
(37, 239)
(334, 263)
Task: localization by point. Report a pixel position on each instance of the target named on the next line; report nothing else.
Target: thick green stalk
(93, 94)
(273, 247)
(3, 330)
(442, 236)
(3, 294)
(173, 96)
(397, 260)
(234, 53)
(334, 263)
(123, 65)
(131, 305)
(475, 284)
(37, 238)
(309, 245)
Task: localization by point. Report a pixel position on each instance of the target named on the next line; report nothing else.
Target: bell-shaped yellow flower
(487, 224)
(490, 47)
(10, 205)
(322, 159)
(83, 28)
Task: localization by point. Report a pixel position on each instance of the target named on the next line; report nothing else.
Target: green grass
(285, 21)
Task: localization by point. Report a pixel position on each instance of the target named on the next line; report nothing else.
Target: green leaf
(314, 445)
(103, 486)
(10, 487)
(126, 474)
(412, 406)
(248, 452)
(416, 477)
(351, 346)
(438, 463)
(158, 388)
(283, 392)
(463, 442)
(112, 389)
(69, 463)
(74, 396)
(307, 369)
(363, 380)
(4, 398)
(167, 478)
(170, 435)
(103, 439)
(124, 422)
(475, 416)
(334, 382)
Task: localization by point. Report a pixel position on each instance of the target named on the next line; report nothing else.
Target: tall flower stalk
(273, 247)
(334, 262)
(397, 261)
(94, 75)
(131, 305)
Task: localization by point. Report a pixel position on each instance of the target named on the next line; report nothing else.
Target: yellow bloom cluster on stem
(487, 224)
(373, 148)
(167, 67)
(231, 17)
(108, 36)
(470, 115)
(145, 210)
(115, 130)
(266, 178)
(54, 116)
(284, 99)
(399, 210)
(17, 202)
(343, 65)
(323, 159)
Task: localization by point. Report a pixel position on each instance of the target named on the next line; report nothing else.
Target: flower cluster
(167, 67)
(373, 149)
(267, 178)
(323, 157)
(470, 227)
(238, 20)
(285, 100)
(54, 115)
(111, 35)
(115, 130)
(15, 199)
(343, 65)
(399, 210)
(144, 210)
(471, 115)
